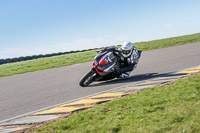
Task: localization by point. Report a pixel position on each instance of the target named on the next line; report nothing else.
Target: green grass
(174, 109)
(45, 63)
(156, 44)
(68, 59)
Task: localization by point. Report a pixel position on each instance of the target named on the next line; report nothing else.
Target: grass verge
(68, 59)
(173, 108)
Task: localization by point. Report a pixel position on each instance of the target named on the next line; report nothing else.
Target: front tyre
(87, 79)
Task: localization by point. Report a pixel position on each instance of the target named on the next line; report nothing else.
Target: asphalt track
(23, 93)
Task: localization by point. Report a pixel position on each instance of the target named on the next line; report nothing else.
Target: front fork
(96, 77)
(93, 70)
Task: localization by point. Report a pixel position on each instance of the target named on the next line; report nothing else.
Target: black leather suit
(127, 63)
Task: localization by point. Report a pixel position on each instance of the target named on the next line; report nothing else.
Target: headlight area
(100, 68)
(96, 63)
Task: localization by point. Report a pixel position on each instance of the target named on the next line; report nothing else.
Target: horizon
(94, 48)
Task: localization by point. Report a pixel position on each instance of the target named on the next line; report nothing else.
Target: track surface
(28, 92)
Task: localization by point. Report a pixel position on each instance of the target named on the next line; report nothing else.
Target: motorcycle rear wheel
(86, 79)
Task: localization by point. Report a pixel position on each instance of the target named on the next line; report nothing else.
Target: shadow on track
(134, 78)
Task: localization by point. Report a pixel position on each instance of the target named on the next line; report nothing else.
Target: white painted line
(187, 68)
(19, 116)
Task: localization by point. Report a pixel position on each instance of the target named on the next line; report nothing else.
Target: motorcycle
(103, 67)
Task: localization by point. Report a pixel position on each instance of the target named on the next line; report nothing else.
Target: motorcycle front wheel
(86, 79)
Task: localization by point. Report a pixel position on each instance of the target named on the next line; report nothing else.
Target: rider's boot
(124, 76)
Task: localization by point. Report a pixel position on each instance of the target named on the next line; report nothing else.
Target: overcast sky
(29, 27)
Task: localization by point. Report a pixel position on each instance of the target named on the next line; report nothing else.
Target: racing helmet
(127, 49)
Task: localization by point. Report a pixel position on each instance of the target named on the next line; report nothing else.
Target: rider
(128, 58)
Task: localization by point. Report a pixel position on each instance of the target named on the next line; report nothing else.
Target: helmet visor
(126, 52)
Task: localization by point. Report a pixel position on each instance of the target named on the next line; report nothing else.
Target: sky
(32, 27)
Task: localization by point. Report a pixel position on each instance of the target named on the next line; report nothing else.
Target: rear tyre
(86, 79)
